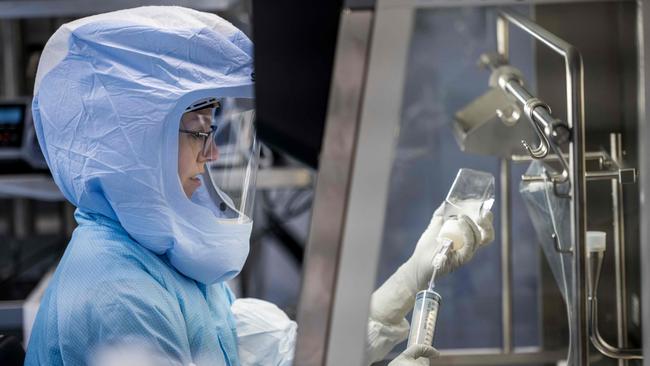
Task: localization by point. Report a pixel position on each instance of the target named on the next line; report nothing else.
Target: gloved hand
(395, 298)
(462, 230)
(416, 355)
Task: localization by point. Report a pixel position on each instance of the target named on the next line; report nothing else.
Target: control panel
(19, 147)
(12, 125)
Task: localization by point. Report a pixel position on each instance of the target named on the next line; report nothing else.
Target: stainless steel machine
(583, 118)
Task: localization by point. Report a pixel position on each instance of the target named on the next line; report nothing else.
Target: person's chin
(190, 186)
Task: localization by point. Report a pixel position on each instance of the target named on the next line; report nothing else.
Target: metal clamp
(551, 132)
(540, 151)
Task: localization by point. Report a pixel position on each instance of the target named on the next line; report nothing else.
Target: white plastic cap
(596, 241)
(453, 230)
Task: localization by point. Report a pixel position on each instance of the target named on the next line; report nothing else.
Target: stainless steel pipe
(506, 258)
(616, 151)
(595, 259)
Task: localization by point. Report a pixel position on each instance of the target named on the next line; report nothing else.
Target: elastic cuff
(382, 338)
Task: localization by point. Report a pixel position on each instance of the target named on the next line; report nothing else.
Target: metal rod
(10, 41)
(553, 157)
(506, 262)
(536, 31)
(643, 102)
(575, 121)
(483, 357)
(590, 176)
(616, 151)
(602, 346)
(506, 244)
(602, 175)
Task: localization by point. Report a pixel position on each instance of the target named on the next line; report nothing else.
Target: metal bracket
(542, 150)
(610, 169)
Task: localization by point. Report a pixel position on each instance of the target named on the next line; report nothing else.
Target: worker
(145, 119)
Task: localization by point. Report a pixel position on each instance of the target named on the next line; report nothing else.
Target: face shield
(225, 129)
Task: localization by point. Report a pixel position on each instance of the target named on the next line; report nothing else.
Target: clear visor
(230, 151)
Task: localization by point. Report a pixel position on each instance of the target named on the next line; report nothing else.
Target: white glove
(416, 355)
(395, 298)
(265, 334)
(464, 232)
(382, 337)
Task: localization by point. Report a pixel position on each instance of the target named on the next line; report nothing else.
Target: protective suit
(146, 265)
(109, 292)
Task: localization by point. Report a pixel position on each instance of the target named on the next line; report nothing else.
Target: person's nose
(211, 153)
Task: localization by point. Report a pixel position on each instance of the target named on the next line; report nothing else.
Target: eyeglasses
(205, 136)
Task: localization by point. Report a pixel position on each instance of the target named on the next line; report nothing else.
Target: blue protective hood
(109, 95)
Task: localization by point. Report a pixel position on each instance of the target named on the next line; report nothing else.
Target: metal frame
(366, 205)
(352, 185)
(579, 354)
(324, 249)
(379, 122)
(643, 37)
(552, 135)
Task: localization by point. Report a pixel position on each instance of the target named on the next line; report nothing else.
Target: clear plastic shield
(231, 153)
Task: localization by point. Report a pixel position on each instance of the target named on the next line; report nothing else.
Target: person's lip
(195, 179)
